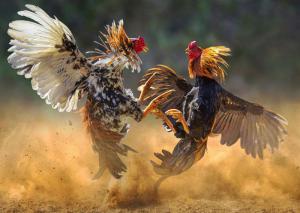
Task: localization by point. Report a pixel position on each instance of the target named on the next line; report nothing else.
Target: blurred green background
(264, 36)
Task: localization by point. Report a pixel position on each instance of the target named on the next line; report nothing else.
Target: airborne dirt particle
(44, 171)
(136, 189)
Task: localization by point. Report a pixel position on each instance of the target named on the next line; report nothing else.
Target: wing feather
(44, 49)
(256, 127)
(165, 79)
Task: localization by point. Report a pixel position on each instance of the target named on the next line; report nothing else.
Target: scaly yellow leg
(178, 116)
(153, 108)
(165, 119)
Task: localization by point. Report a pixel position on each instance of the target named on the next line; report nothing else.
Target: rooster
(195, 112)
(44, 49)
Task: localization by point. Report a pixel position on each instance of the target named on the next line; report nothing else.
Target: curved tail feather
(185, 154)
(109, 157)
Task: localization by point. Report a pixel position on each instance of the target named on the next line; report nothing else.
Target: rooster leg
(153, 105)
(145, 88)
(158, 113)
(178, 116)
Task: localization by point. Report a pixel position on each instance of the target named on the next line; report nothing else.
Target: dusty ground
(47, 164)
(175, 205)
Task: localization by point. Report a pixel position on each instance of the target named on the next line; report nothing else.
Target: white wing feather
(44, 49)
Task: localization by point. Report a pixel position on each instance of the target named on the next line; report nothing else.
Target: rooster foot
(154, 104)
(178, 116)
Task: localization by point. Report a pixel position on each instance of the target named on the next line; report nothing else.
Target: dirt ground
(175, 205)
(47, 165)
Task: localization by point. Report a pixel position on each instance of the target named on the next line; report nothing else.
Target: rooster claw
(157, 101)
(178, 116)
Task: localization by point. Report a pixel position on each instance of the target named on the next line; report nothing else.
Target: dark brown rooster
(195, 112)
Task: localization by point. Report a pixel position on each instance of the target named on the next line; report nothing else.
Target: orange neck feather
(210, 64)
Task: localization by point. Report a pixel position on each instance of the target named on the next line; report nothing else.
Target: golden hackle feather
(211, 63)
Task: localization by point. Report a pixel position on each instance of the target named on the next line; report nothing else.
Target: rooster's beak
(145, 49)
(186, 50)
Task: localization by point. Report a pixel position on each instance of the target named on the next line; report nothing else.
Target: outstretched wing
(164, 79)
(255, 126)
(44, 50)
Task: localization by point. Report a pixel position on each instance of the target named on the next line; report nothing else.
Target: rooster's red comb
(139, 44)
(192, 44)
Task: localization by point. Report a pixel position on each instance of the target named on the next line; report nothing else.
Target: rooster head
(207, 62)
(118, 45)
(193, 50)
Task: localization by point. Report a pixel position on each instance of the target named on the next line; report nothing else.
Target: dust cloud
(47, 157)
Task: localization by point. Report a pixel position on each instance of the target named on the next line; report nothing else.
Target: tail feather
(100, 172)
(109, 157)
(185, 154)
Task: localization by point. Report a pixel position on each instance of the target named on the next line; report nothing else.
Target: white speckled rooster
(44, 49)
